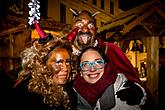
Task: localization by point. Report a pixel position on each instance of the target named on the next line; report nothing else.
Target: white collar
(77, 52)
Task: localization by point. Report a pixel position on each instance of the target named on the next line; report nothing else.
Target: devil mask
(85, 24)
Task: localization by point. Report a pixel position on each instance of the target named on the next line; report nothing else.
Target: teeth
(93, 75)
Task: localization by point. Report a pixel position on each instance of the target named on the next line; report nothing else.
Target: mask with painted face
(86, 29)
(59, 62)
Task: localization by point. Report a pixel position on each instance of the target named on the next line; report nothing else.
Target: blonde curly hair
(34, 60)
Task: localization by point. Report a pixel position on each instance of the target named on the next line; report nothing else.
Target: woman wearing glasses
(99, 86)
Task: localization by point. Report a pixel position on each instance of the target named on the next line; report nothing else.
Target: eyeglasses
(86, 66)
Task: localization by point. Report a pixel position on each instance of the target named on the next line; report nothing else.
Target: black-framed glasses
(97, 64)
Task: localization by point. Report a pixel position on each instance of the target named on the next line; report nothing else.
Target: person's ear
(81, 74)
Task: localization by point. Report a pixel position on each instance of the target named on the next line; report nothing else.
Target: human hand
(132, 94)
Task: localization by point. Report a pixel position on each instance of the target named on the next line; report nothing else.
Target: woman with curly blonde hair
(48, 62)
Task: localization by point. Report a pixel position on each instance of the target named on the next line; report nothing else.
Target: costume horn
(41, 33)
(74, 12)
(94, 14)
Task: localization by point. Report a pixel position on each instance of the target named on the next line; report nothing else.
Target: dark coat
(6, 95)
(25, 100)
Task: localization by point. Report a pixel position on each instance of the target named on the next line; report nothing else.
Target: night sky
(128, 4)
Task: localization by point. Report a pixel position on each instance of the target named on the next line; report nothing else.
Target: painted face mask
(59, 64)
(86, 32)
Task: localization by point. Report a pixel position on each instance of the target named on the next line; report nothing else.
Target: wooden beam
(48, 23)
(116, 23)
(161, 32)
(153, 66)
(138, 20)
(132, 11)
(109, 34)
(17, 19)
(54, 25)
(19, 28)
(123, 17)
(152, 24)
(146, 28)
(162, 14)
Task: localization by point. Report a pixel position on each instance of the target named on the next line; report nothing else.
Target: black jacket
(25, 100)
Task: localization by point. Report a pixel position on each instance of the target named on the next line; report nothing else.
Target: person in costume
(84, 34)
(46, 75)
(45, 80)
(99, 86)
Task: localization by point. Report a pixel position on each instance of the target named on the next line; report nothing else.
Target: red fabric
(71, 36)
(117, 57)
(92, 92)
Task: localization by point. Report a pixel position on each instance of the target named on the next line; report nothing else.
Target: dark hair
(95, 49)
